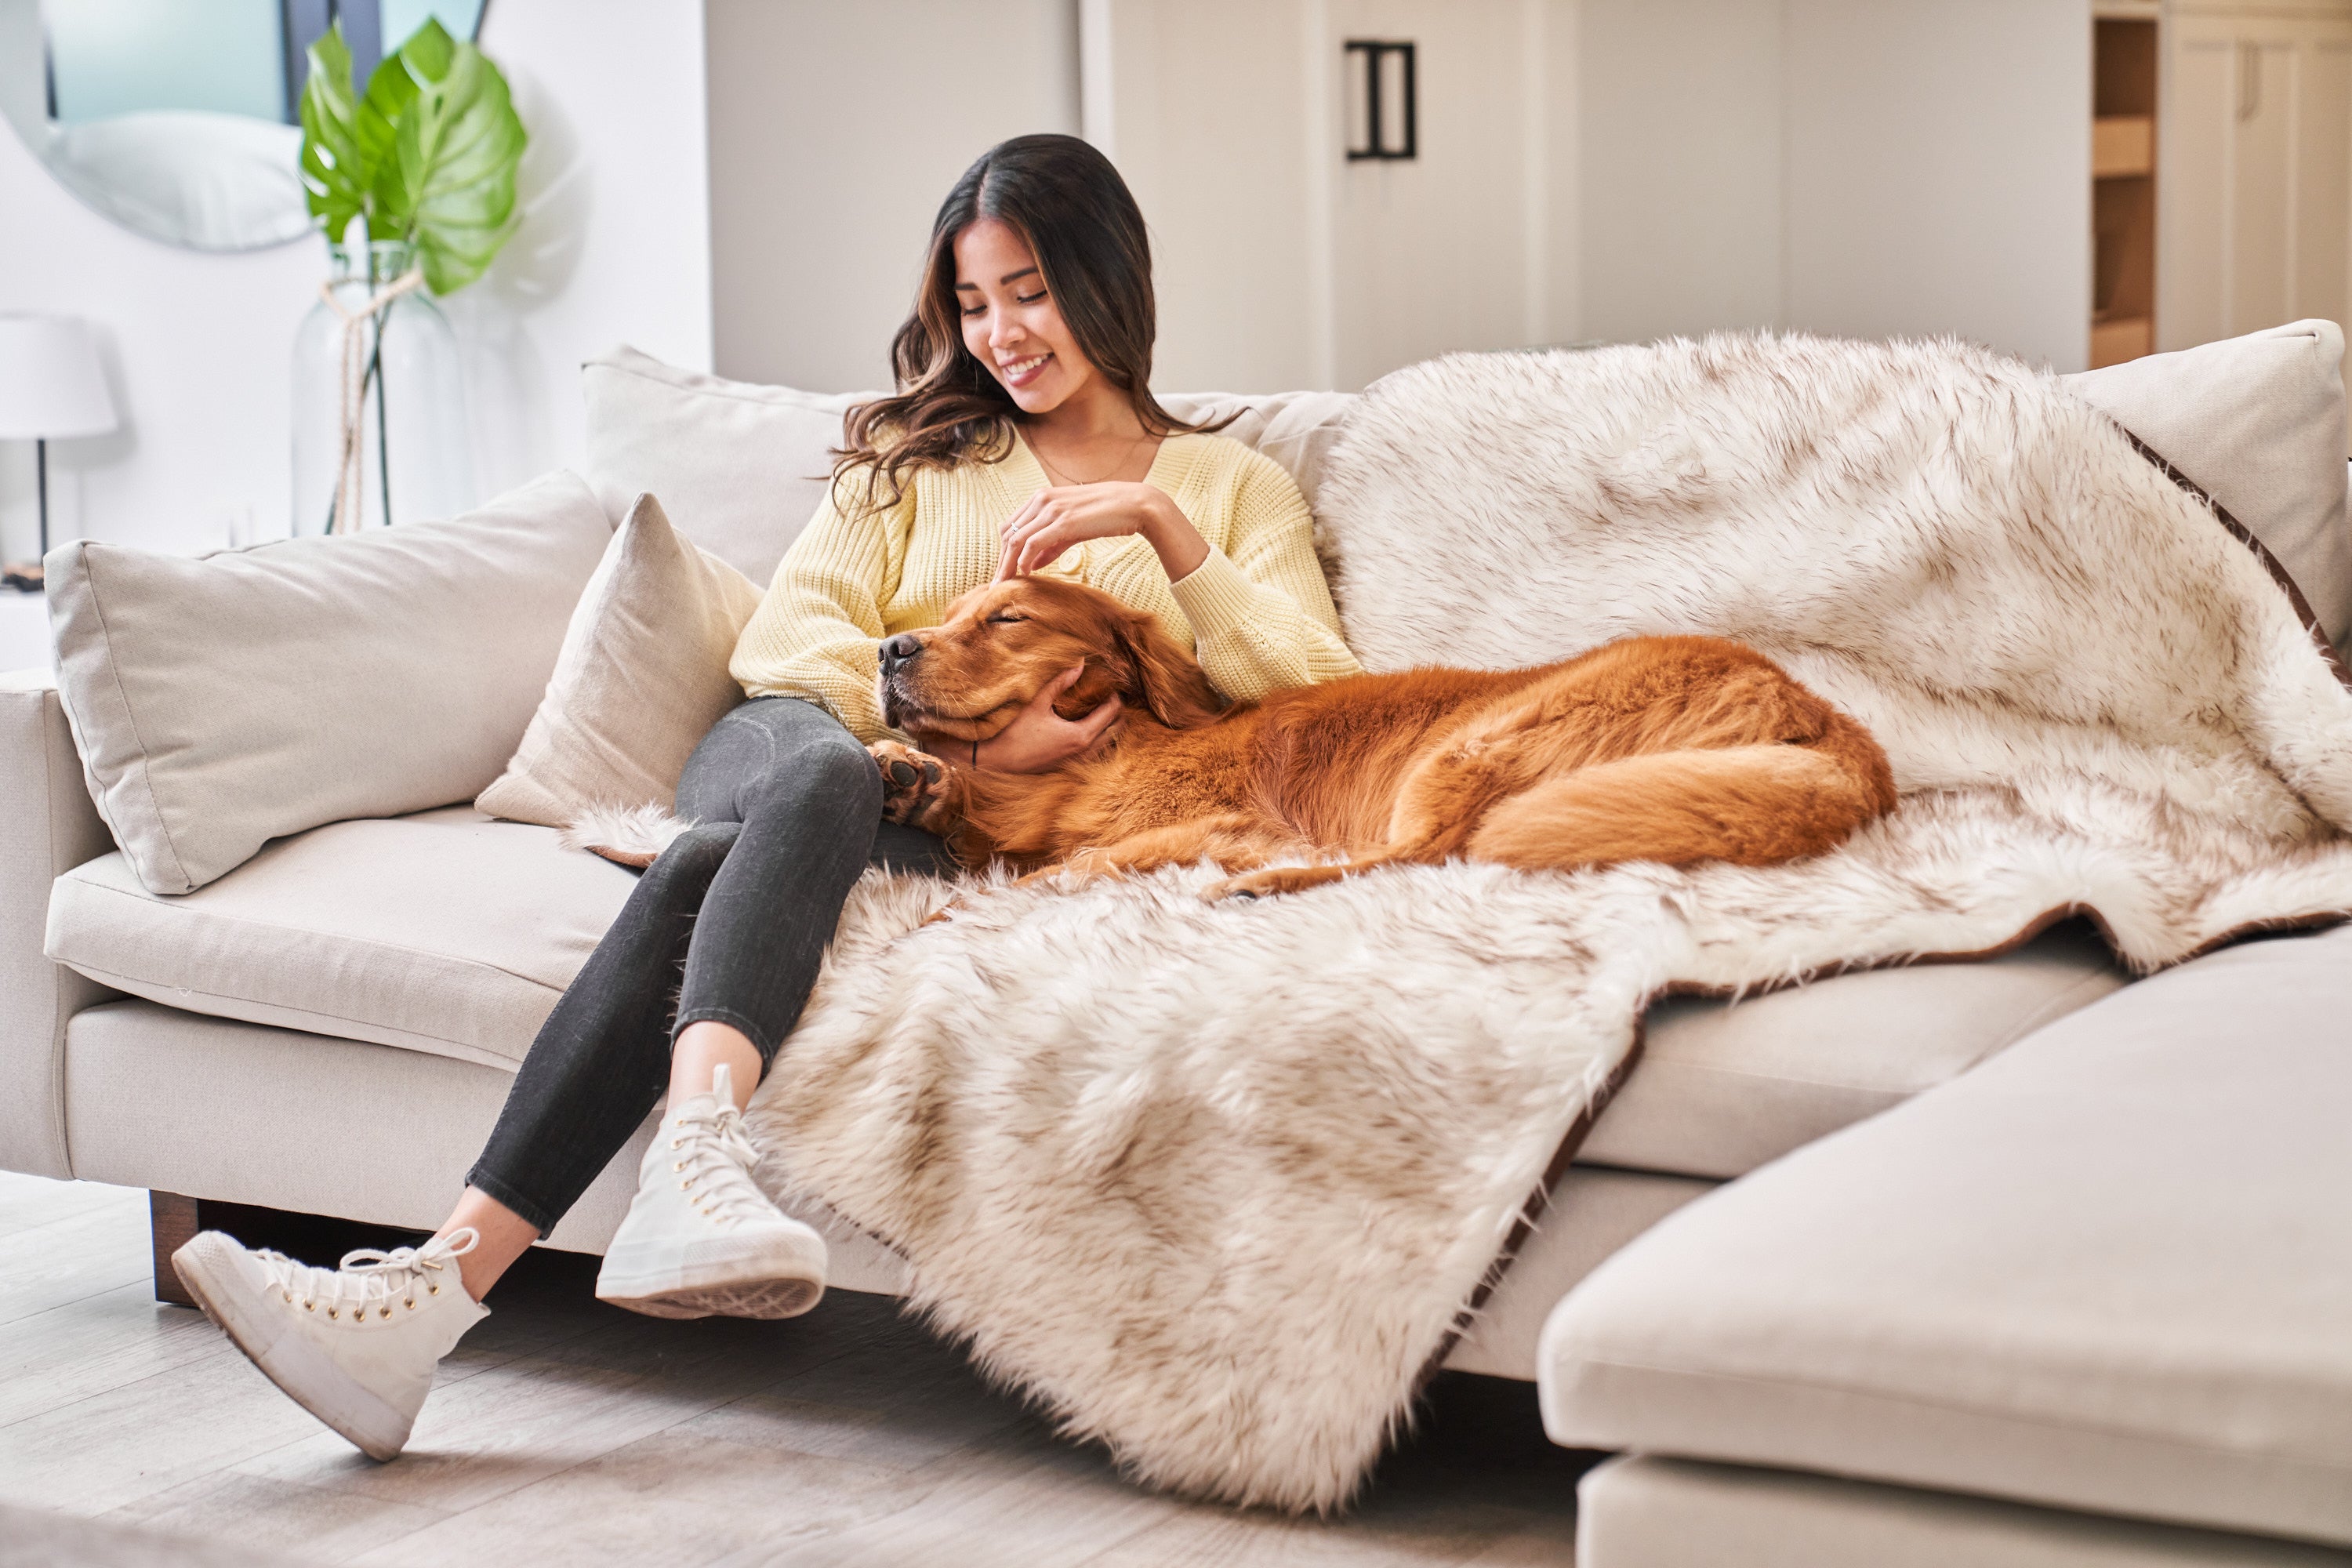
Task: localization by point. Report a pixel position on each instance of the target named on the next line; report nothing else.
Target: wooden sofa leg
(173, 1220)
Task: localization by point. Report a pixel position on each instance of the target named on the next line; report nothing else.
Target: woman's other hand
(1038, 740)
(1060, 518)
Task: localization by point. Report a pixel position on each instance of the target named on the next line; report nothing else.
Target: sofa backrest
(741, 468)
(2258, 421)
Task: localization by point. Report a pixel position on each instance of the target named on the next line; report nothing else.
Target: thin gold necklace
(1065, 478)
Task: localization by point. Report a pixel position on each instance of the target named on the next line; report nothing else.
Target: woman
(1023, 438)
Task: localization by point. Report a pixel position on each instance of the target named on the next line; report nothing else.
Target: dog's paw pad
(911, 783)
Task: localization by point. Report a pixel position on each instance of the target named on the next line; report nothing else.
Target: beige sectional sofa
(2005, 1262)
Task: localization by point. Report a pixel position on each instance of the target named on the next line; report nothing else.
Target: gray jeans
(730, 924)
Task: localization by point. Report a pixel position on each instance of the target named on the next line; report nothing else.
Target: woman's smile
(1021, 371)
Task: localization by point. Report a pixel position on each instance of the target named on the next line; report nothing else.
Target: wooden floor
(566, 1431)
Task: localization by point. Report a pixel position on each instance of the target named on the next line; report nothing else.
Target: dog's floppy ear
(1169, 680)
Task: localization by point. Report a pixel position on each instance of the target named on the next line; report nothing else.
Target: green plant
(429, 155)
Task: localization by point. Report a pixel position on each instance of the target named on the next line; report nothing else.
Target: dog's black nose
(897, 650)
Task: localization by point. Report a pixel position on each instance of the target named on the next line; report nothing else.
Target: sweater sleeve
(1260, 613)
(813, 636)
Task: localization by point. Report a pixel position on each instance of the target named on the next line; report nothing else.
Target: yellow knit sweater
(1256, 612)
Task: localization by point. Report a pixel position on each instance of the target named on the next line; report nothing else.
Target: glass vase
(380, 427)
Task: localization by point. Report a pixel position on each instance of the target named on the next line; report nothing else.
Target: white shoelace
(714, 1159)
(369, 1279)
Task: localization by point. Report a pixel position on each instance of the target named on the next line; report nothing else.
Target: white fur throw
(1213, 1182)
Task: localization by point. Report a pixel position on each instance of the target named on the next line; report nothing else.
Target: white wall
(836, 131)
(1868, 168)
(615, 246)
(1679, 219)
(1938, 160)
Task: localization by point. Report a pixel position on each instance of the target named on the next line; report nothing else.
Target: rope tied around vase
(348, 480)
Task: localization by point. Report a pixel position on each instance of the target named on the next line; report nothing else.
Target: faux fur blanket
(1216, 1184)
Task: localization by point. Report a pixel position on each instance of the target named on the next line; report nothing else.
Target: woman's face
(1011, 323)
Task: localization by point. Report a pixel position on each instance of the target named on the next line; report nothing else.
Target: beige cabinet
(2254, 172)
(1283, 261)
(1441, 250)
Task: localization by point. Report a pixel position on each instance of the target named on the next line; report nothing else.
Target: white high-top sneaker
(355, 1346)
(701, 1240)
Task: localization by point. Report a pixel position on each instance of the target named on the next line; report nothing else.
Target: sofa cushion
(159, 1097)
(1644, 1512)
(741, 467)
(449, 933)
(1721, 1088)
(225, 700)
(2257, 423)
(2111, 1270)
(1297, 429)
(445, 932)
(642, 677)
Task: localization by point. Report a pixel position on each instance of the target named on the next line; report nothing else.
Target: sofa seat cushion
(1721, 1088)
(2111, 1270)
(1676, 1513)
(451, 932)
(445, 932)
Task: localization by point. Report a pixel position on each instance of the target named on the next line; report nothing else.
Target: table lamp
(51, 387)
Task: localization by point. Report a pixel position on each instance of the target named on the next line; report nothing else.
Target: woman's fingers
(1104, 714)
(1042, 546)
(1016, 528)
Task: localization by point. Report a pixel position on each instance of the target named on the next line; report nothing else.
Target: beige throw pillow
(642, 677)
(224, 701)
(2257, 423)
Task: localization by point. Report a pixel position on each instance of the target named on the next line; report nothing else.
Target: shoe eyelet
(289, 1296)
(332, 1313)
(410, 1303)
(677, 1142)
(384, 1311)
(310, 1305)
(433, 1289)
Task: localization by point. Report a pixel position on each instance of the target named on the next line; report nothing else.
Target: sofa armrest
(47, 827)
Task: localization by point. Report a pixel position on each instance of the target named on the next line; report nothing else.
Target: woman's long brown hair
(1062, 197)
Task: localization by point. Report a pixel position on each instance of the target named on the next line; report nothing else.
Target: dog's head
(1005, 643)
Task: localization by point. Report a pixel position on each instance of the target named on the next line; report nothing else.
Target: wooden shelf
(2122, 146)
(2123, 188)
(2124, 338)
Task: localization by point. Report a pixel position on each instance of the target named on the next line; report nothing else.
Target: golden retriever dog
(1675, 749)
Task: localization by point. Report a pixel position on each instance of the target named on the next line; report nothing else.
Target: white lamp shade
(51, 383)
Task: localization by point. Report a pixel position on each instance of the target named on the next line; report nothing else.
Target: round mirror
(181, 120)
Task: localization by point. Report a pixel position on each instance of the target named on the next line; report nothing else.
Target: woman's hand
(1038, 740)
(1057, 519)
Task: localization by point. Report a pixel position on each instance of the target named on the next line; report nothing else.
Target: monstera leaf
(449, 185)
(429, 154)
(336, 169)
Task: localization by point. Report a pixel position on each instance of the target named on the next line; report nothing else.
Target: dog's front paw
(1272, 880)
(914, 787)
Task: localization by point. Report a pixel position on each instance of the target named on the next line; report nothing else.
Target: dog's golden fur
(1672, 748)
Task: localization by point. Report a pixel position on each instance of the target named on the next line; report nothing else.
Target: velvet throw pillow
(223, 701)
(642, 677)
